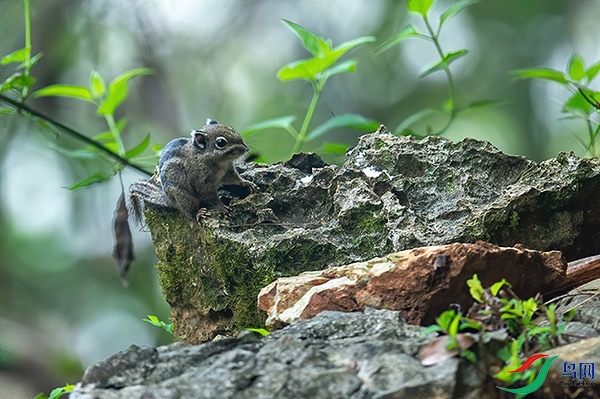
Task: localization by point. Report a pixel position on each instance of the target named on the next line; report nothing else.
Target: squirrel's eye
(220, 143)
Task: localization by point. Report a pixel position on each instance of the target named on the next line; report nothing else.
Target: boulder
(421, 283)
(391, 194)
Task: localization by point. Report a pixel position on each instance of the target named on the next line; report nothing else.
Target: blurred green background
(62, 305)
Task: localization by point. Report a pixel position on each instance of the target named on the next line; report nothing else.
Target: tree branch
(73, 133)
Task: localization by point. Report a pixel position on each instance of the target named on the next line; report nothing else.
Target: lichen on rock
(392, 193)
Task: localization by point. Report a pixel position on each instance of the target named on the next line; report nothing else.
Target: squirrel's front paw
(201, 214)
(204, 213)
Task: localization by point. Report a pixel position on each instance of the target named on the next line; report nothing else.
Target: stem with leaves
(301, 138)
(316, 70)
(27, 111)
(423, 7)
(446, 69)
(583, 104)
(27, 46)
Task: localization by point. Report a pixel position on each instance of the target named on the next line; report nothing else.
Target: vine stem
(110, 121)
(446, 68)
(318, 87)
(27, 44)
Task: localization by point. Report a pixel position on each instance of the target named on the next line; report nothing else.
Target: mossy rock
(392, 193)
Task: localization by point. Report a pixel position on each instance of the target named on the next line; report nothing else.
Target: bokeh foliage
(58, 287)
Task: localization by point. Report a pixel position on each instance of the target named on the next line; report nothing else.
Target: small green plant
(106, 145)
(451, 323)
(155, 321)
(57, 392)
(450, 107)
(317, 70)
(583, 104)
(530, 325)
(106, 98)
(21, 80)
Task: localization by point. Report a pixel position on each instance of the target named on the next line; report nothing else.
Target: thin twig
(74, 133)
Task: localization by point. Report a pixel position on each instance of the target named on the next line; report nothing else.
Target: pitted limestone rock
(392, 193)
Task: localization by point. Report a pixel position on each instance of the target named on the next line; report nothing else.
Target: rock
(334, 355)
(586, 301)
(391, 194)
(421, 283)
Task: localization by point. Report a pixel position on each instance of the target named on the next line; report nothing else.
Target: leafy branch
(106, 98)
(73, 133)
(317, 70)
(584, 102)
(422, 7)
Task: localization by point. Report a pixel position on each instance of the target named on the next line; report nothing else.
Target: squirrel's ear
(211, 122)
(199, 139)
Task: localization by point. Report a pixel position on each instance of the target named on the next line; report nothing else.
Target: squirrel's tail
(146, 192)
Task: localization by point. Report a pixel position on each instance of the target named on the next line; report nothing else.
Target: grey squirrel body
(190, 171)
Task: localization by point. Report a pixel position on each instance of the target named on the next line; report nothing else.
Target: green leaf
(453, 329)
(407, 32)
(482, 104)
(475, 288)
(350, 121)
(117, 91)
(58, 392)
(61, 90)
(540, 73)
(88, 152)
(17, 81)
(310, 68)
(445, 319)
(529, 307)
(313, 43)
(33, 60)
(97, 85)
(446, 61)
(284, 122)
(153, 320)
(260, 331)
(414, 118)
(7, 111)
(578, 104)
(350, 44)
(576, 68)
(93, 179)
(431, 328)
(592, 71)
(455, 9)
(346, 66)
(50, 127)
(138, 149)
(469, 323)
(420, 6)
(15, 56)
(495, 288)
(469, 355)
(335, 148)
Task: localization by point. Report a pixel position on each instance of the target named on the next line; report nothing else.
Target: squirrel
(190, 171)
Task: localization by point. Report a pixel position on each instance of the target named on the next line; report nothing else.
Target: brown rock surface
(420, 283)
